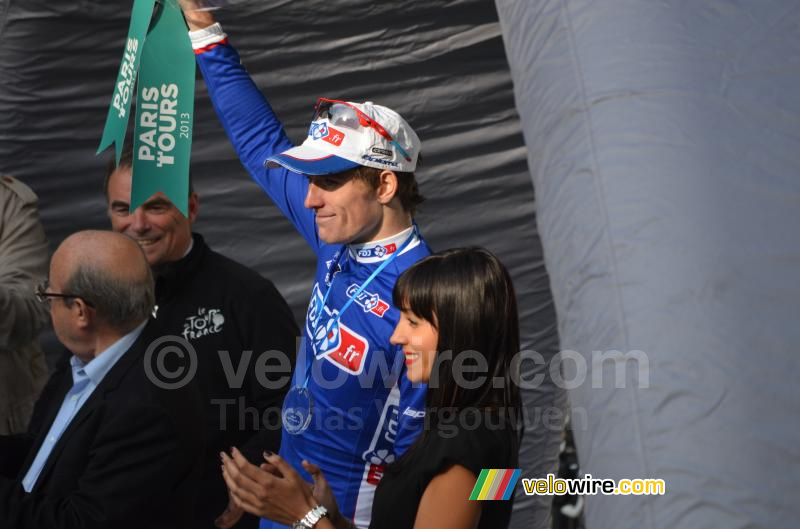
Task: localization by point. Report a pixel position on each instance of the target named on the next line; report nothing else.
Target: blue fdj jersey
(366, 412)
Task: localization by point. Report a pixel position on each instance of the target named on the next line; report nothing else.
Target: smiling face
(419, 339)
(347, 210)
(157, 225)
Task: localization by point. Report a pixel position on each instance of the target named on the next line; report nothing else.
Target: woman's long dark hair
(468, 296)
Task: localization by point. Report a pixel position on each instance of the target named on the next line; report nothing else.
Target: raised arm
(248, 119)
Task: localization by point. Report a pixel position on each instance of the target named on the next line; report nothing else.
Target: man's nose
(313, 197)
(139, 222)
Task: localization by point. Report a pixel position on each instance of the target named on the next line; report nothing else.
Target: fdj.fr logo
(318, 130)
(377, 251)
(321, 131)
(368, 301)
(346, 349)
(207, 321)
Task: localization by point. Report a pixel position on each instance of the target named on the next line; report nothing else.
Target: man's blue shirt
(86, 376)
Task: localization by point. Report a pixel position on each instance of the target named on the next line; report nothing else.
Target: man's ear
(387, 186)
(194, 206)
(82, 312)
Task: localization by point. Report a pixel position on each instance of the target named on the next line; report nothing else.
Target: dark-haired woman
(459, 332)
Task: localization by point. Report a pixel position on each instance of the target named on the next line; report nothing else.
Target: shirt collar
(173, 277)
(189, 249)
(100, 365)
(376, 251)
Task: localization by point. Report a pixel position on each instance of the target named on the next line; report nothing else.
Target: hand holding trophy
(198, 13)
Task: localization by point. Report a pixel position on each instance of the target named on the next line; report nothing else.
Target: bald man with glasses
(108, 445)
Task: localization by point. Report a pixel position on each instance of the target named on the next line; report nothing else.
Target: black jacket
(129, 458)
(218, 305)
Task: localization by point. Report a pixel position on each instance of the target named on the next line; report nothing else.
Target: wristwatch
(311, 518)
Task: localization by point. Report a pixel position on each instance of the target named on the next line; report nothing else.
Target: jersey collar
(377, 251)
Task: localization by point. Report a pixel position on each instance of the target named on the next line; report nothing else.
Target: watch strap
(311, 518)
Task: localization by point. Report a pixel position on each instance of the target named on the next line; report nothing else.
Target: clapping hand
(273, 490)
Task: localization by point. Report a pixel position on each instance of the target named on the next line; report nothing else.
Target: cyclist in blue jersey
(350, 191)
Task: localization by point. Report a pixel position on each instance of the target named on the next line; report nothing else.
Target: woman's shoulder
(474, 438)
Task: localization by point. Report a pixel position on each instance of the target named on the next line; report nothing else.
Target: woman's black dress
(474, 439)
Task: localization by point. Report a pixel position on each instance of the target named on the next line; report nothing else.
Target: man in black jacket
(237, 323)
(107, 447)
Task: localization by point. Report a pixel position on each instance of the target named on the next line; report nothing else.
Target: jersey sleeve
(252, 126)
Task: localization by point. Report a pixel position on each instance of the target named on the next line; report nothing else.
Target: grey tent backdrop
(664, 144)
(440, 63)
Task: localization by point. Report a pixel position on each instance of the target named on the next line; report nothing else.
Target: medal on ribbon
(298, 404)
(297, 410)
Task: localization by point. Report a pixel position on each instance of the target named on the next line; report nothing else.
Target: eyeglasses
(43, 296)
(343, 114)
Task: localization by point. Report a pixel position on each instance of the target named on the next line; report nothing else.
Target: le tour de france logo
(207, 321)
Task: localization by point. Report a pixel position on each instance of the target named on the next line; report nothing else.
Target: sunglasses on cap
(344, 114)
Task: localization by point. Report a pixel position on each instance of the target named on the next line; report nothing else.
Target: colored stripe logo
(495, 484)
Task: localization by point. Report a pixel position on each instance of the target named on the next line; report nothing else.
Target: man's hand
(196, 17)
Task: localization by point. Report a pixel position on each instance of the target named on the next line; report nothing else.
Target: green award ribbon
(117, 117)
(164, 112)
